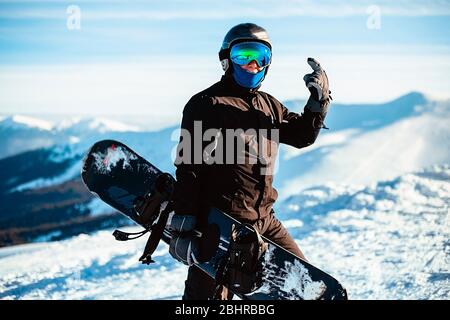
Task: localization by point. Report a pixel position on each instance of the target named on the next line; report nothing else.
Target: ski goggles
(245, 52)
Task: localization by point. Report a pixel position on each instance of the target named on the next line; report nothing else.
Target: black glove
(184, 245)
(317, 83)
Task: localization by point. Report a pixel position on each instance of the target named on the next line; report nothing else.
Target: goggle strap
(224, 54)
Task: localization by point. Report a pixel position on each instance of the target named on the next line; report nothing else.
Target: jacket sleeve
(186, 197)
(300, 130)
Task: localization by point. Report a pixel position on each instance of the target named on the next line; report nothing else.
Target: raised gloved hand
(317, 83)
(184, 245)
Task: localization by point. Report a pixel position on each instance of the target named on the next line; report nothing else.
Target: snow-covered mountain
(369, 143)
(41, 191)
(385, 241)
(18, 122)
(82, 127)
(21, 133)
(409, 120)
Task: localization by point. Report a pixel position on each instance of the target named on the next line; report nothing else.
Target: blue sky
(36, 31)
(129, 56)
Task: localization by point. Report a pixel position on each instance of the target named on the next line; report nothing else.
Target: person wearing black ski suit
(243, 190)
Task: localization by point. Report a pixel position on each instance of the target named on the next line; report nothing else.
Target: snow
(297, 273)
(368, 156)
(98, 207)
(388, 240)
(20, 121)
(385, 241)
(88, 267)
(292, 223)
(73, 172)
(105, 162)
(104, 125)
(66, 123)
(327, 139)
(74, 140)
(48, 237)
(94, 124)
(23, 133)
(288, 279)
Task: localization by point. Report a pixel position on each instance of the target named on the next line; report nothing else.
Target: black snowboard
(120, 177)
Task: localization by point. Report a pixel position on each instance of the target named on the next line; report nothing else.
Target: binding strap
(155, 235)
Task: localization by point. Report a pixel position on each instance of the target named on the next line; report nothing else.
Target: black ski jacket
(243, 190)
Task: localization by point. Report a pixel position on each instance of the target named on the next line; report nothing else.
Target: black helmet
(240, 33)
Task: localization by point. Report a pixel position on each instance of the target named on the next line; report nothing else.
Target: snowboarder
(242, 189)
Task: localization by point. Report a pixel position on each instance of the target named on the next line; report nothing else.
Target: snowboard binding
(149, 207)
(152, 211)
(242, 268)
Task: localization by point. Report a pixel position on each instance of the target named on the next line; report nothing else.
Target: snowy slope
(389, 240)
(387, 147)
(88, 267)
(385, 241)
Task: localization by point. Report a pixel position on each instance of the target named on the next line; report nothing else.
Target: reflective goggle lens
(245, 52)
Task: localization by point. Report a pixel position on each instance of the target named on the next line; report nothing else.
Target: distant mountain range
(40, 189)
(23, 133)
(41, 194)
